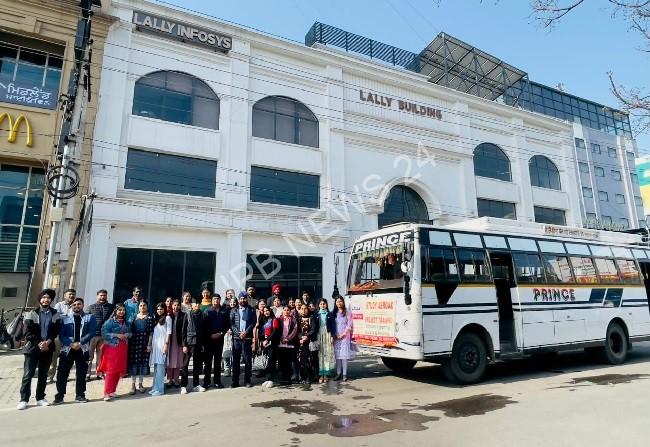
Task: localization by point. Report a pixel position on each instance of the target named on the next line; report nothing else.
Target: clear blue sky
(578, 52)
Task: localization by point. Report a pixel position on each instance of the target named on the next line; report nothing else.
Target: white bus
(488, 289)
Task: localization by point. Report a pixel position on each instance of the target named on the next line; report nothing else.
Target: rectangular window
(294, 273)
(583, 270)
(603, 196)
(32, 66)
(284, 187)
(591, 217)
(616, 175)
(599, 172)
(601, 250)
(468, 240)
(495, 241)
(496, 208)
(642, 223)
(558, 269)
(551, 247)
(607, 220)
(611, 152)
(528, 268)
(580, 143)
(638, 201)
(595, 148)
(173, 174)
(629, 270)
(584, 167)
(439, 264)
(549, 215)
(162, 273)
(587, 192)
(439, 238)
(631, 157)
(472, 266)
(620, 198)
(634, 178)
(21, 204)
(607, 272)
(517, 243)
(625, 222)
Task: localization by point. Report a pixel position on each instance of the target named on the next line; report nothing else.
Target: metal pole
(60, 186)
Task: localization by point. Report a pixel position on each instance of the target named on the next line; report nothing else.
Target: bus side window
(473, 266)
(583, 270)
(441, 265)
(528, 268)
(629, 271)
(558, 269)
(607, 272)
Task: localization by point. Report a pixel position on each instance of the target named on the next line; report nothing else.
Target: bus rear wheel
(468, 360)
(398, 365)
(616, 345)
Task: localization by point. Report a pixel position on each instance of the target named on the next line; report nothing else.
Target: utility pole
(62, 180)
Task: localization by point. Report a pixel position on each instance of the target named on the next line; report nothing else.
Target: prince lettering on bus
(544, 294)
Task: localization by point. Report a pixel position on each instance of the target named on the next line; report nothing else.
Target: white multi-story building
(224, 157)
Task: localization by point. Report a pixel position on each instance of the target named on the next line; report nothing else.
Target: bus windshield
(376, 270)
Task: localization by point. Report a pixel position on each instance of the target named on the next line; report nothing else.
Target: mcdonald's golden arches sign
(15, 126)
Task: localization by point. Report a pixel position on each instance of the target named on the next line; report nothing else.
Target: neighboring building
(224, 156)
(36, 49)
(643, 174)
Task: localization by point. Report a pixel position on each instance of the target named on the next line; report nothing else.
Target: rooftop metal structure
(452, 63)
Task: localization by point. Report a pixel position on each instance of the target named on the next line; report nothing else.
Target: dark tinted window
(438, 264)
(543, 173)
(162, 273)
(549, 216)
(528, 268)
(294, 274)
(151, 171)
(490, 161)
(403, 205)
(176, 97)
(284, 187)
(285, 119)
(558, 269)
(472, 266)
(495, 208)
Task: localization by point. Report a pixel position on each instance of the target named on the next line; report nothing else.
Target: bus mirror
(405, 266)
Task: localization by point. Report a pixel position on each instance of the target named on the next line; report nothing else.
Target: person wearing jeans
(42, 326)
(242, 322)
(162, 333)
(63, 308)
(76, 332)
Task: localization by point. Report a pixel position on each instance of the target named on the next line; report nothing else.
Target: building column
(231, 264)
(99, 271)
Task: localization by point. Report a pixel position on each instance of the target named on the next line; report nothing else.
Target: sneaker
(248, 385)
(234, 385)
(108, 398)
(57, 400)
(21, 405)
(157, 393)
(198, 389)
(184, 390)
(218, 386)
(81, 399)
(42, 403)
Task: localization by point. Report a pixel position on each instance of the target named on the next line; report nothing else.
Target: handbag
(260, 362)
(314, 346)
(227, 346)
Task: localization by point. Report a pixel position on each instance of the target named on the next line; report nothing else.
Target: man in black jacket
(193, 341)
(216, 325)
(42, 326)
(102, 310)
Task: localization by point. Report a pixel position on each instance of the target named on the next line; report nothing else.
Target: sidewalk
(11, 373)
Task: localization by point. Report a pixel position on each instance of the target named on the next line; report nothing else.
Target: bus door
(503, 274)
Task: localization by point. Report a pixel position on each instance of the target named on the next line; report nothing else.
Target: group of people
(288, 341)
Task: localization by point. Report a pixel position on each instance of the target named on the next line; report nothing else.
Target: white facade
(364, 150)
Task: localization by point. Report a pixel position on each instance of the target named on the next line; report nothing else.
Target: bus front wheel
(615, 350)
(398, 365)
(468, 358)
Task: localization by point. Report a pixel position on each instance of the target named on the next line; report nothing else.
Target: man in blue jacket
(76, 332)
(242, 322)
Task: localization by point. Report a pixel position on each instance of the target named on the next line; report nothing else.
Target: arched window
(544, 173)
(490, 161)
(403, 205)
(176, 97)
(285, 119)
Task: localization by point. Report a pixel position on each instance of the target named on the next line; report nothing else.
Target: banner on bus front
(374, 321)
